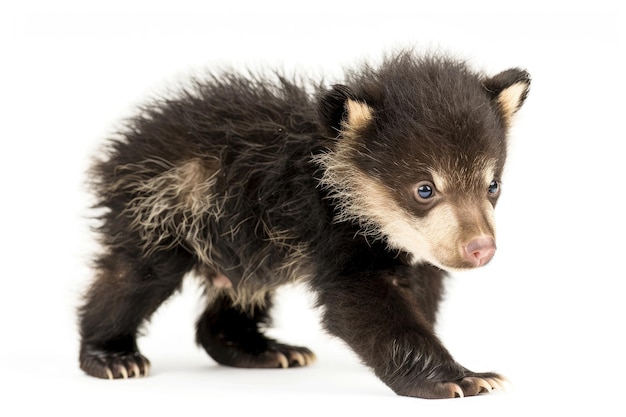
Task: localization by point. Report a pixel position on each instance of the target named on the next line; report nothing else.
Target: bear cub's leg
(391, 334)
(127, 291)
(233, 337)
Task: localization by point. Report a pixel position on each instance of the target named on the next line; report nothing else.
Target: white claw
(282, 361)
(298, 357)
(109, 373)
(495, 384)
(483, 383)
(458, 390)
(124, 372)
(136, 371)
(310, 358)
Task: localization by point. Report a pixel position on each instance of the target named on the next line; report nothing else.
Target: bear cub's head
(417, 153)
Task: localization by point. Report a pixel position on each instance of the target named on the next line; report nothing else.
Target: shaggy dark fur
(227, 180)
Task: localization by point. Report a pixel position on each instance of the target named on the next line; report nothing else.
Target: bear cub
(366, 191)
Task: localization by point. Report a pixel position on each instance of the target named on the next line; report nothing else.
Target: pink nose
(480, 250)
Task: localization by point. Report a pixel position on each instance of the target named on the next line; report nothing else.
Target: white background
(548, 312)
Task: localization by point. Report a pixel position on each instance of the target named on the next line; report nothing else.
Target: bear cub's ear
(508, 90)
(342, 113)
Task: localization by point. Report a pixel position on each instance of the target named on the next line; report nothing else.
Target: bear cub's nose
(480, 250)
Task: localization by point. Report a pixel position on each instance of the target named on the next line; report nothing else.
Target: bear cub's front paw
(469, 385)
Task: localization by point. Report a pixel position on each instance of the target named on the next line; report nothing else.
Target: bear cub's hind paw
(291, 356)
(115, 365)
(273, 355)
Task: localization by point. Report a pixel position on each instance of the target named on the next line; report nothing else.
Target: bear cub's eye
(424, 191)
(494, 187)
